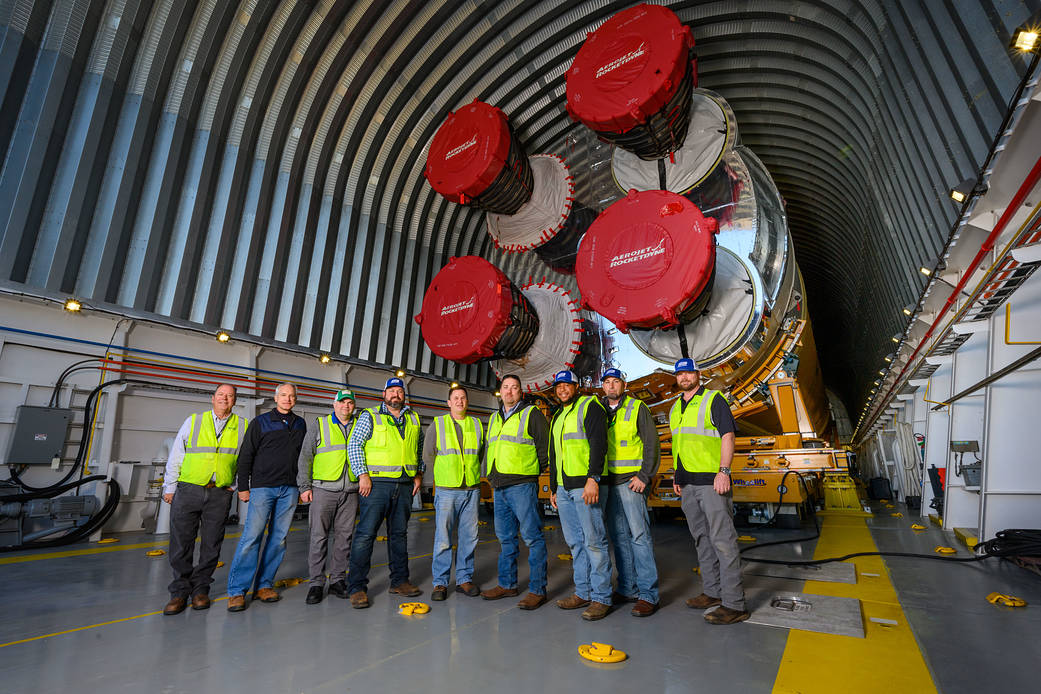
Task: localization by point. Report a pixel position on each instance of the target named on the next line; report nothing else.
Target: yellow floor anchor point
(944, 550)
(564, 557)
(549, 527)
(745, 538)
(917, 526)
(601, 653)
(412, 608)
(423, 519)
(897, 514)
(1006, 600)
(220, 564)
(482, 523)
(108, 540)
(381, 538)
(289, 582)
(696, 569)
(155, 553)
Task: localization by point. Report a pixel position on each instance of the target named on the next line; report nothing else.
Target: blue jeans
(586, 535)
(390, 501)
(273, 505)
(516, 508)
(454, 508)
(629, 526)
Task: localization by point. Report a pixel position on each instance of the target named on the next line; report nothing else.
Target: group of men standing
(601, 457)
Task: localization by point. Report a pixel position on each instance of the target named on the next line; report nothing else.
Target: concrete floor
(118, 643)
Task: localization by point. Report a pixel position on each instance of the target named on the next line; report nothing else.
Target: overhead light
(896, 338)
(497, 393)
(399, 373)
(1025, 38)
(454, 384)
(223, 336)
(877, 381)
(325, 359)
(909, 309)
(889, 357)
(72, 306)
(881, 372)
(967, 189)
(925, 271)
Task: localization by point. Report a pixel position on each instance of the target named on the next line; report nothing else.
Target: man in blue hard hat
(578, 444)
(633, 455)
(385, 451)
(703, 431)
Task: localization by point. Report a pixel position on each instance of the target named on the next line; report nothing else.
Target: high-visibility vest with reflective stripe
(696, 443)
(330, 456)
(511, 450)
(206, 457)
(457, 465)
(624, 445)
(387, 453)
(570, 442)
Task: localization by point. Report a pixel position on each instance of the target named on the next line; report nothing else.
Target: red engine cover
(468, 152)
(466, 309)
(628, 69)
(646, 258)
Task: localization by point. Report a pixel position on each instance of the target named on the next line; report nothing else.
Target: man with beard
(385, 453)
(516, 454)
(578, 444)
(702, 448)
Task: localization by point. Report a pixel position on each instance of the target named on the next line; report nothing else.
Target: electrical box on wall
(39, 435)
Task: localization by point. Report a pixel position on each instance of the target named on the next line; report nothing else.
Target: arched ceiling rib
(257, 165)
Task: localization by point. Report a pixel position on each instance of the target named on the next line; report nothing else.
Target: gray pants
(710, 519)
(331, 513)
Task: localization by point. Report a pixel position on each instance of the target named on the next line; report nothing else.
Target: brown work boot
(642, 608)
(175, 606)
(405, 588)
(267, 595)
(440, 593)
(236, 603)
(532, 601)
(595, 611)
(498, 592)
(572, 603)
(725, 615)
(359, 600)
(200, 601)
(468, 589)
(703, 602)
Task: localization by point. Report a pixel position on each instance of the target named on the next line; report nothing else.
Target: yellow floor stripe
(152, 614)
(887, 659)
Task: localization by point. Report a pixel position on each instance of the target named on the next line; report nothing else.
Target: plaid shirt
(363, 432)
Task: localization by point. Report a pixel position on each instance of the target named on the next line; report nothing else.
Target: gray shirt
(304, 479)
(430, 448)
(648, 433)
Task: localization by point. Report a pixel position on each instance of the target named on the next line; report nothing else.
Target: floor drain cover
(825, 614)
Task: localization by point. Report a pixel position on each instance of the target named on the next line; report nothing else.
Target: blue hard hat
(612, 373)
(565, 377)
(394, 382)
(685, 365)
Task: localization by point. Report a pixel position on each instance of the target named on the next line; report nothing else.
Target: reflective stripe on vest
(511, 450)
(387, 453)
(570, 442)
(206, 457)
(456, 464)
(330, 456)
(696, 443)
(624, 445)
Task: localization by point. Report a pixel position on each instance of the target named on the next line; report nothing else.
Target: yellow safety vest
(696, 443)
(330, 456)
(511, 450)
(206, 457)
(387, 453)
(457, 465)
(624, 445)
(570, 442)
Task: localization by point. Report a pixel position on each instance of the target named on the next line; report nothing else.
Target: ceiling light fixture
(72, 306)
(223, 336)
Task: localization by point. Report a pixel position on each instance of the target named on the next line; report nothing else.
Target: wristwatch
(725, 470)
(595, 478)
